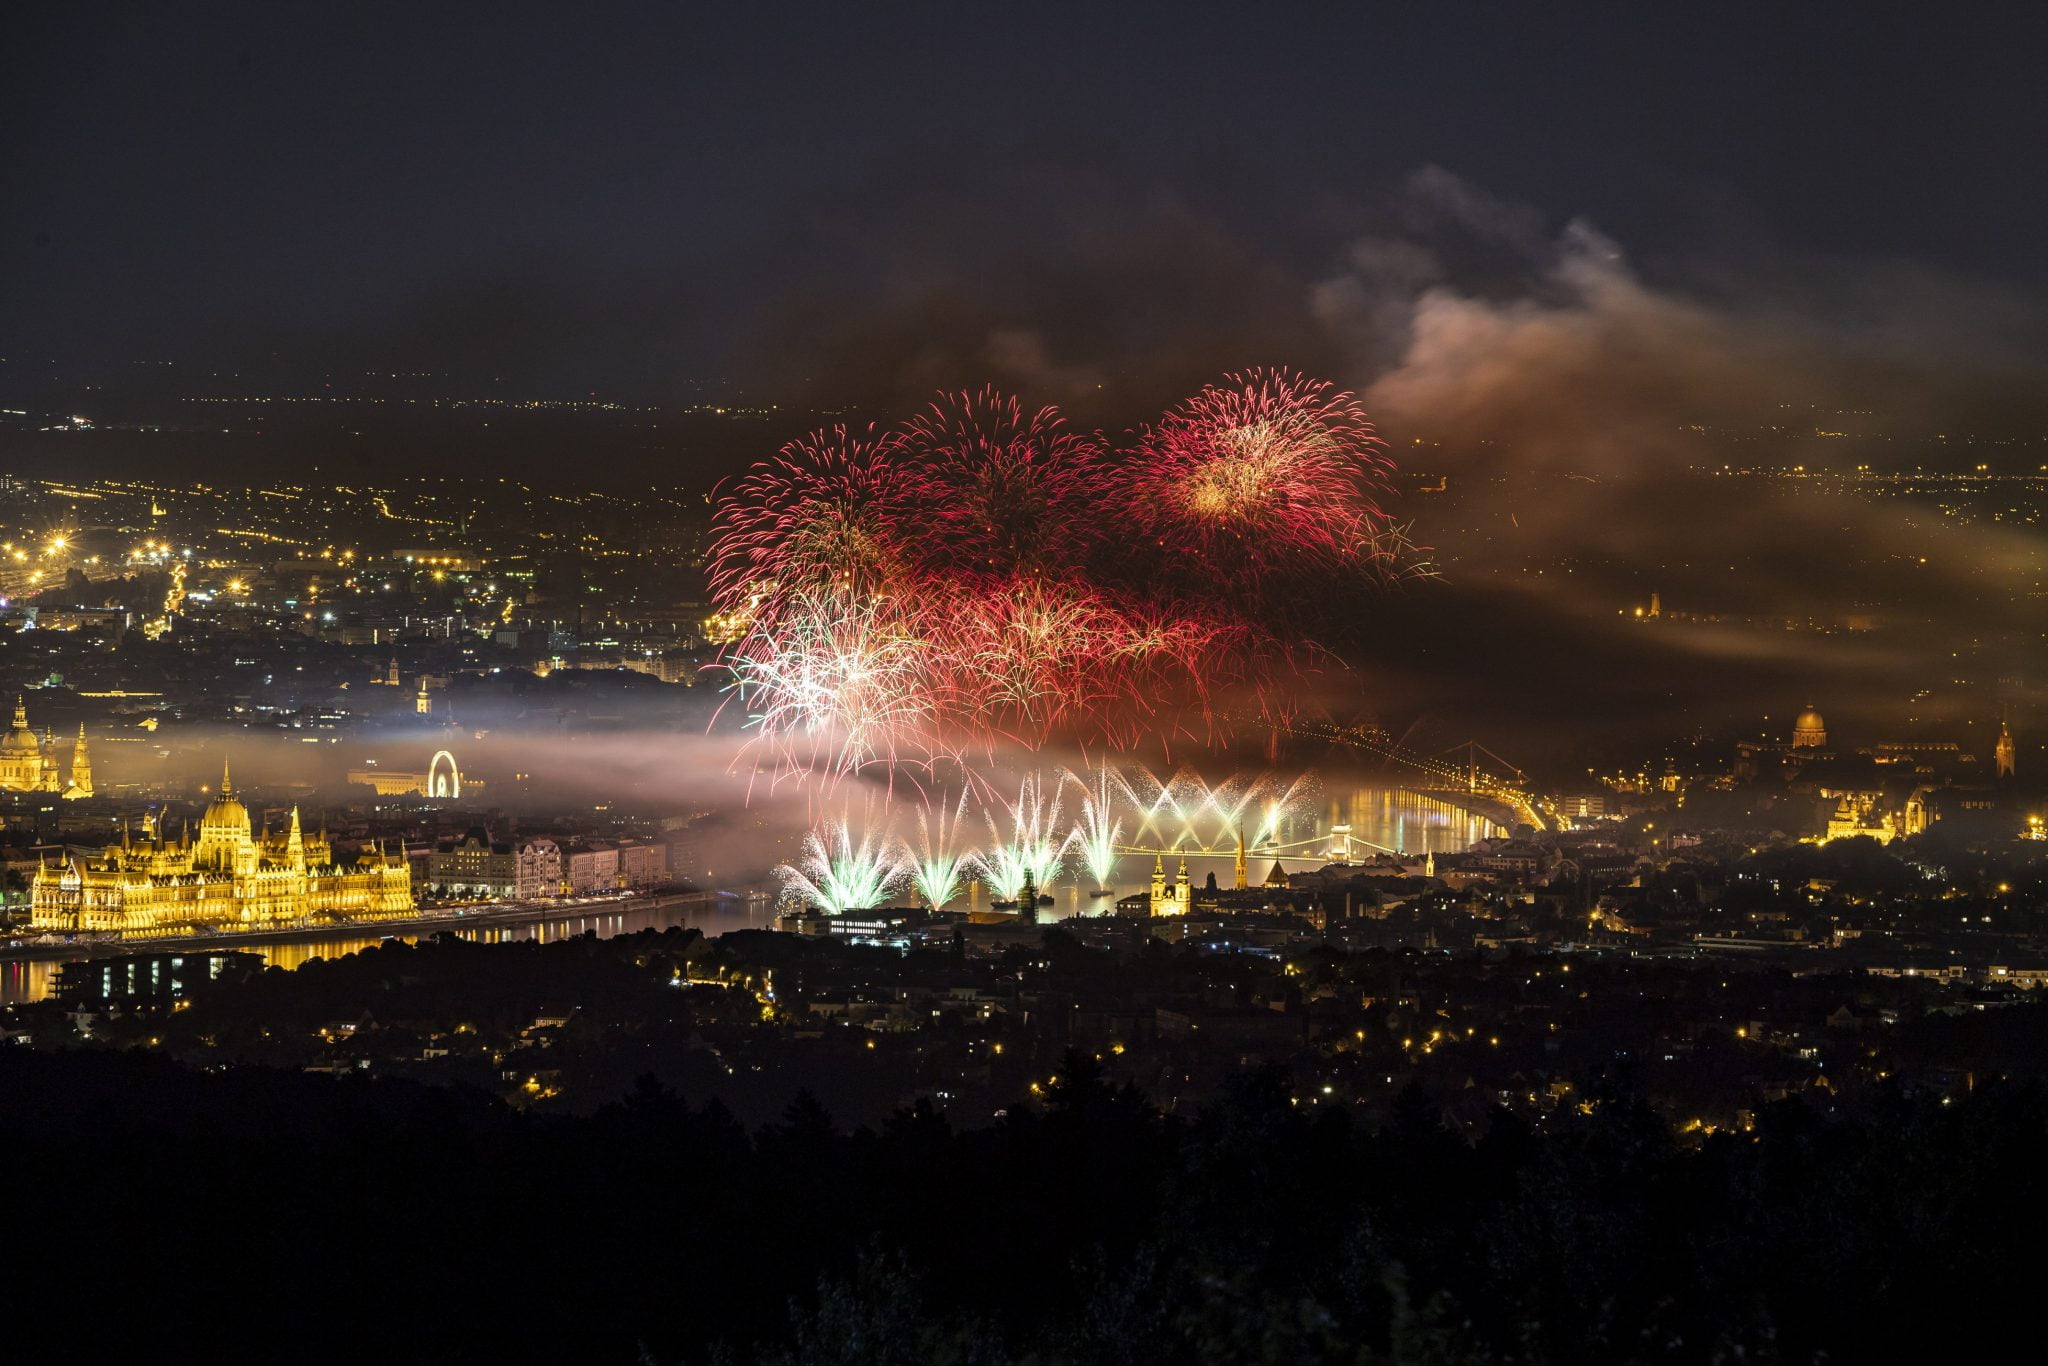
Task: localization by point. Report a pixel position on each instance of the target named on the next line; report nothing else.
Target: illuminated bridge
(1437, 773)
(1317, 849)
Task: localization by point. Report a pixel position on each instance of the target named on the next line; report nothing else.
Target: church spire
(225, 788)
(81, 767)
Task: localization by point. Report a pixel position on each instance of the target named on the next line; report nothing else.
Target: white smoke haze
(751, 810)
(1580, 407)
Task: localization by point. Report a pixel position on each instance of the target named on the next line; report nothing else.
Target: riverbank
(21, 948)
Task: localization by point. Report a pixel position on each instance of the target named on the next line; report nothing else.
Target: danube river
(1381, 819)
(31, 979)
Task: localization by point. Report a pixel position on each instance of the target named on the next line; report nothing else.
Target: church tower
(1241, 876)
(1158, 899)
(1183, 892)
(2002, 752)
(81, 768)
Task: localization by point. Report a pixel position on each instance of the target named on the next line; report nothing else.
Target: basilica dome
(1809, 731)
(19, 738)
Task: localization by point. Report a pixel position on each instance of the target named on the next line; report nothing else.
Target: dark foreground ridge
(270, 1215)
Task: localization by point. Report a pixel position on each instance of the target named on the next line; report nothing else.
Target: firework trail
(1098, 832)
(1276, 804)
(1030, 657)
(849, 679)
(1161, 804)
(1034, 850)
(820, 520)
(1187, 810)
(837, 875)
(1002, 492)
(939, 868)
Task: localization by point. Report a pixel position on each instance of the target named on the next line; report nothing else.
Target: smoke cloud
(1575, 403)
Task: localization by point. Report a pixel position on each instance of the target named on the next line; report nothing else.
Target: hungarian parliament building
(225, 882)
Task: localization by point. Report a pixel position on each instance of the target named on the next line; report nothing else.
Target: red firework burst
(1001, 491)
(821, 519)
(985, 573)
(1267, 474)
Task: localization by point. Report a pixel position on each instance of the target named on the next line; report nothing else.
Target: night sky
(649, 199)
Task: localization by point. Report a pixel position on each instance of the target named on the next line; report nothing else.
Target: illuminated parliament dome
(225, 809)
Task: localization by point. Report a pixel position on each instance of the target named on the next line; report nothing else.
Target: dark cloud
(1069, 289)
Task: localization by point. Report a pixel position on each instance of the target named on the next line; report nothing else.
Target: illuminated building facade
(1809, 744)
(26, 763)
(478, 866)
(592, 868)
(442, 780)
(643, 865)
(1178, 899)
(1863, 814)
(227, 880)
(1809, 731)
(81, 768)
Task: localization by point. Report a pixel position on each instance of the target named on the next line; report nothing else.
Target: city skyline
(1120, 685)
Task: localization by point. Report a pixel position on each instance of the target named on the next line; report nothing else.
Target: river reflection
(1381, 818)
(23, 981)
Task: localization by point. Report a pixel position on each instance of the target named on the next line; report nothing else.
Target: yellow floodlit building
(228, 880)
(30, 765)
(1177, 899)
(442, 779)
